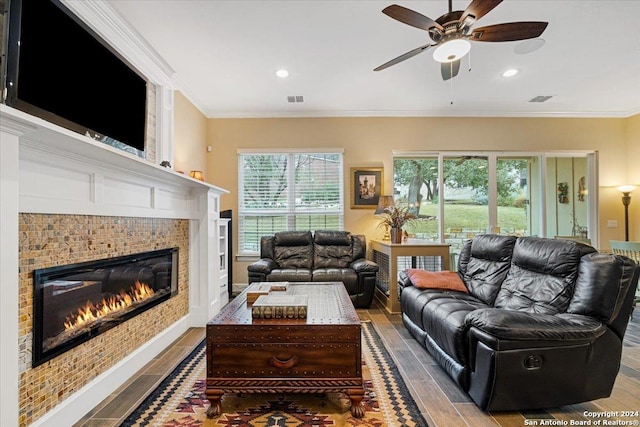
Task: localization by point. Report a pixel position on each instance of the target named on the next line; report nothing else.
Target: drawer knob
(284, 364)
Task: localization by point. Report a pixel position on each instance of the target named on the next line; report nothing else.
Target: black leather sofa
(541, 326)
(322, 256)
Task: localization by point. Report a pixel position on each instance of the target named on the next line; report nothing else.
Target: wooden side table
(387, 278)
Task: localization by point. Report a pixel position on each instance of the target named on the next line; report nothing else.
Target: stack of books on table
(283, 306)
(264, 288)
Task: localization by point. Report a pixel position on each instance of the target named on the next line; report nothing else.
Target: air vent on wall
(297, 98)
(541, 98)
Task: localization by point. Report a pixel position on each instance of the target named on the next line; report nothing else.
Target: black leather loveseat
(541, 325)
(322, 256)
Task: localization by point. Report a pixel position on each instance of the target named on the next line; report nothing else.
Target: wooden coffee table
(319, 354)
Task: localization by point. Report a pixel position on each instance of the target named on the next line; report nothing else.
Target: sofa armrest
(262, 266)
(364, 266)
(403, 282)
(522, 326)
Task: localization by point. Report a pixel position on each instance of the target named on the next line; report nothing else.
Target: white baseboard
(84, 400)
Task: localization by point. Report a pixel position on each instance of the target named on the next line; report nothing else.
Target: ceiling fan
(452, 31)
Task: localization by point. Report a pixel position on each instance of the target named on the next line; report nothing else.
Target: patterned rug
(180, 399)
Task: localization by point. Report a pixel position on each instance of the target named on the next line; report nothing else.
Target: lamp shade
(383, 202)
(197, 175)
(626, 188)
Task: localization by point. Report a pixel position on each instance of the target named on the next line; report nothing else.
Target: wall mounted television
(58, 69)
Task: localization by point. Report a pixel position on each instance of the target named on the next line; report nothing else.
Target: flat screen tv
(58, 69)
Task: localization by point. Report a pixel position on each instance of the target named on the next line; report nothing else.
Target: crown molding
(421, 113)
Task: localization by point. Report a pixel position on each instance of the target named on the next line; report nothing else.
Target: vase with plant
(395, 217)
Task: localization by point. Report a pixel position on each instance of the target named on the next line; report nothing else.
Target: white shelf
(223, 258)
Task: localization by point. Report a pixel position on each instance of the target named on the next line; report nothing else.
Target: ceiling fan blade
(509, 31)
(410, 17)
(479, 8)
(402, 57)
(449, 69)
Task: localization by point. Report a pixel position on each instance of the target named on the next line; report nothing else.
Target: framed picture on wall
(366, 187)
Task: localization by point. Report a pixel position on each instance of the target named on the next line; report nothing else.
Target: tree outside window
(288, 191)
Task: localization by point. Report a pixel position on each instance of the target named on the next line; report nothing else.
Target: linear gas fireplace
(76, 302)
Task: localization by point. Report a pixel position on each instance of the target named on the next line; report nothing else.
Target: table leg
(356, 395)
(215, 397)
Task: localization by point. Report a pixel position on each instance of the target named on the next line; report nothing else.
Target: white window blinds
(288, 191)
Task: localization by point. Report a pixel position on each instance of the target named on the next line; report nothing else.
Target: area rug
(180, 399)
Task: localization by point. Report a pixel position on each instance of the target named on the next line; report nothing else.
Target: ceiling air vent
(297, 98)
(541, 98)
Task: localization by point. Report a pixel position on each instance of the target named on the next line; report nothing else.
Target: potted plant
(395, 217)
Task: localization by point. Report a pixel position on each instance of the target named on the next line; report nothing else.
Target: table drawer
(338, 360)
(292, 331)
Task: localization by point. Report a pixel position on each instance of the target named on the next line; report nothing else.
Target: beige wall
(370, 142)
(189, 136)
(633, 158)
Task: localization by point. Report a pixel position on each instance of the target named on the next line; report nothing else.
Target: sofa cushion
(332, 249)
(359, 246)
(542, 275)
(424, 279)
(484, 263)
(293, 249)
(289, 275)
(522, 326)
(444, 319)
(344, 275)
(266, 247)
(441, 314)
(332, 238)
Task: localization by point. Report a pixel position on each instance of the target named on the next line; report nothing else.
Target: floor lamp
(626, 200)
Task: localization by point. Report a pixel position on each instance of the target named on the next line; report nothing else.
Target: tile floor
(442, 403)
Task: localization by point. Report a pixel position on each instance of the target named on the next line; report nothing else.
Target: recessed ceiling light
(510, 73)
(282, 73)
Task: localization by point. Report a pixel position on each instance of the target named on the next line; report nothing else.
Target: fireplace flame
(92, 312)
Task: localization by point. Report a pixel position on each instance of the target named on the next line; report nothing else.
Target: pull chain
(451, 81)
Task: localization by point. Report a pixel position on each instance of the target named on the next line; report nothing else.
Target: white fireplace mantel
(48, 169)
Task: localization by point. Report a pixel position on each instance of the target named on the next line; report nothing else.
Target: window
(458, 195)
(292, 190)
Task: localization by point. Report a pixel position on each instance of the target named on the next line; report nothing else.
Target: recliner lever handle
(532, 361)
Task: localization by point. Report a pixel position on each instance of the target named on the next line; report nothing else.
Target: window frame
(493, 156)
(290, 213)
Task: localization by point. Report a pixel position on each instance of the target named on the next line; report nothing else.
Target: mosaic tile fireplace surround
(48, 240)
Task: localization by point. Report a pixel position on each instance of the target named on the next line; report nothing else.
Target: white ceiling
(225, 55)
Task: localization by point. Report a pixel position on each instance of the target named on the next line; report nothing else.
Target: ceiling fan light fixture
(451, 50)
